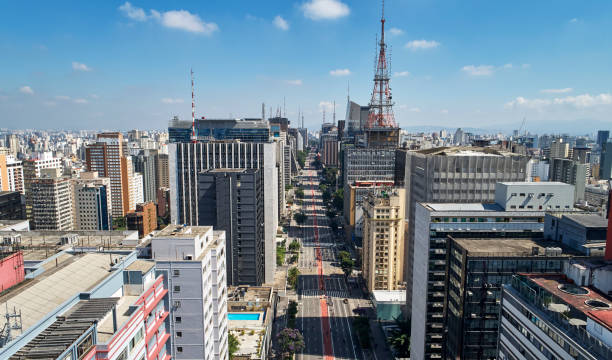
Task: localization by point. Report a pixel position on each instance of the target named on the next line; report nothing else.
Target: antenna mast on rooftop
(193, 135)
(381, 104)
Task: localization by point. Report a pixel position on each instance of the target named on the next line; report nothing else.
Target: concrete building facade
(143, 219)
(232, 200)
(187, 160)
(108, 158)
(451, 175)
(570, 172)
(383, 239)
(51, 199)
(91, 206)
(192, 259)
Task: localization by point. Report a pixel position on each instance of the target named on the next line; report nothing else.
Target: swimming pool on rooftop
(243, 316)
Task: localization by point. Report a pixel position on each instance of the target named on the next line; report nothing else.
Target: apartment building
(11, 174)
(108, 157)
(51, 201)
(11, 206)
(192, 259)
(143, 219)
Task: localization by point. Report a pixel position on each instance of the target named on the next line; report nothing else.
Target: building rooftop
(249, 293)
(510, 247)
(144, 266)
(589, 220)
(181, 232)
(37, 297)
(553, 283)
(464, 151)
(39, 245)
(58, 337)
(536, 183)
(395, 296)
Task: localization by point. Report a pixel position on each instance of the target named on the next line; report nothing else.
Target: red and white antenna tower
(193, 134)
(381, 105)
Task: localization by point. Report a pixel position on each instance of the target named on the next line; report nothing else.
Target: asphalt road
(323, 316)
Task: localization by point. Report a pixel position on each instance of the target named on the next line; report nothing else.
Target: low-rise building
(583, 232)
(251, 311)
(144, 219)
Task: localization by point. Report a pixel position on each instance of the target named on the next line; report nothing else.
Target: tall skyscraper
(570, 172)
(145, 163)
(453, 175)
(383, 239)
(602, 137)
(187, 160)
(232, 200)
(605, 164)
(91, 205)
(108, 158)
(51, 200)
(559, 149)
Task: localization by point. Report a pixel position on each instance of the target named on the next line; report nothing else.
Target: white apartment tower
(193, 260)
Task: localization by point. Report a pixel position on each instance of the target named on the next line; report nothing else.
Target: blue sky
(483, 64)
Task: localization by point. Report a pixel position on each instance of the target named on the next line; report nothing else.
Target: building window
(179, 349)
(179, 334)
(176, 272)
(178, 319)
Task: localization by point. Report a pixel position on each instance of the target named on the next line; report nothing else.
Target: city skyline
(483, 66)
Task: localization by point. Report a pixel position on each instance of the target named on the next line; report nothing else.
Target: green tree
(280, 255)
(338, 200)
(301, 158)
(292, 277)
(400, 338)
(119, 223)
(291, 313)
(300, 217)
(299, 193)
(290, 342)
(233, 345)
(294, 245)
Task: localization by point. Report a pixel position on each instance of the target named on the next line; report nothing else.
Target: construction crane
(522, 125)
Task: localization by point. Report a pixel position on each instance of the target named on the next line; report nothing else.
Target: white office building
(192, 259)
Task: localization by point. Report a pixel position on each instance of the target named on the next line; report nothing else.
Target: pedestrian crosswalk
(319, 293)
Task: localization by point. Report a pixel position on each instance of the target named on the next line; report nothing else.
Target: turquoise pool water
(243, 316)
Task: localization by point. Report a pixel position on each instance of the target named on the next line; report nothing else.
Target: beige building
(383, 239)
(559, 149)
(51, 200)
(11, 174)
(109, 158)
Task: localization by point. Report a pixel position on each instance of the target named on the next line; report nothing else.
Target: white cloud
(62, 97)
(325, 9)
(296, 82)
(396, 31)
(422, 44)
(480, 70)
(174, 19)
(132, 12)
(81, 101)
(172, 101)
(94, 96)
(49, 103)
(556, 91)
(443, 111)
(507, 66)
(184, 20)
(574, 20)
(340, 72)
(526, 66)
(26, 90)
(579, 101)
(415, 109)
(77, 66)
(401, 74)
(328, 106)
(281, 23)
